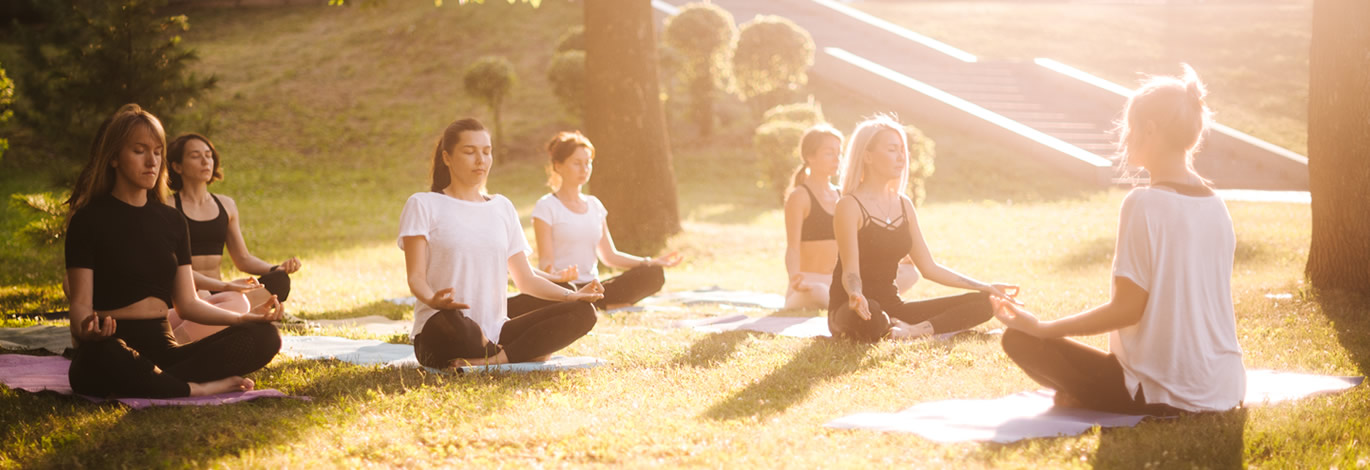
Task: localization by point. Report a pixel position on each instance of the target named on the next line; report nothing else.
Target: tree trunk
(623, 117)
(1339, 146)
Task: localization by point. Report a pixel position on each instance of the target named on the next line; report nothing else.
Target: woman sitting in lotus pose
(461, 246)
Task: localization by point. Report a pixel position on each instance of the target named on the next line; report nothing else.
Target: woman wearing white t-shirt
(461, 246)
(573, 236)
(1172, 330)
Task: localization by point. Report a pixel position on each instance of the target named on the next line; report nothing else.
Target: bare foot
(495, 360)
(608, 307)
(224, 385)
(1066, 400)
(542, 358)
(904, 331)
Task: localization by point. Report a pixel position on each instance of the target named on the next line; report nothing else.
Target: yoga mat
(372, 352)
(1030, 415)
(798, 327)
(53, 339)
(49, 373)
(715, 295)
(374, 324)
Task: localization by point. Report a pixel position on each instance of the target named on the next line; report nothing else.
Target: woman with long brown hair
(128, 264)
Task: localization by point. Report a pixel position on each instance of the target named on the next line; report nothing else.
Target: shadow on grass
(712, 350)
(1350, 314)
(821, 360)
(1209, 440)
(64, 432)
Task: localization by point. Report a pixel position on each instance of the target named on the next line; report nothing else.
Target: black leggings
(276, 282)
(143, 360)
(628, 288)
(1092, 377)
(449, 335)
(953, 313)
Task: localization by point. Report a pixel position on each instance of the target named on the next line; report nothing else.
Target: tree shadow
(1350, 316)
(198, 435)
(712, 350)
(1212, 440)
(821, 360)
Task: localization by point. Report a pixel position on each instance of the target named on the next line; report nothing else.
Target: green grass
(357, 95)
(1253, 55)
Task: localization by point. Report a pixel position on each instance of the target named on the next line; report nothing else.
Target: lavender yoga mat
(49, 373)
(1030, 415)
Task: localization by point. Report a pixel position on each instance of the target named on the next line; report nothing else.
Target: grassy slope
(365, 114)
(1254, 55)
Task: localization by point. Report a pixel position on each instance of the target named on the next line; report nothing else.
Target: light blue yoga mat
(1029, 415)
(372, 352)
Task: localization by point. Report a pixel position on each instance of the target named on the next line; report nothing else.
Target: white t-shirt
(574, 236)
(1184, 351)
(469, 246)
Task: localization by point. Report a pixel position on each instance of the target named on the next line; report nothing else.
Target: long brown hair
(441, 175)
(176, 153)
(97, 178)
(560, 148)
(808, 145)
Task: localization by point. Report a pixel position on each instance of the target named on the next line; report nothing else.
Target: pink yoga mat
(49, 373)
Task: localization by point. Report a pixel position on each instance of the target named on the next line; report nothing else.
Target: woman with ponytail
(128, 263)
(1171, 325)
(461, 247)
(573, 234)
(810, 247)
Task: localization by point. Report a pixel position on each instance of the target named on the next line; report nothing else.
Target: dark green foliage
(771, 61)
(490, 79)
(702, 34)
(567, 76)
(6, 104)
(49, 226)
(91, 56)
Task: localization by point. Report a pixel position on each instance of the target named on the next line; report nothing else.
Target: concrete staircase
(1053, 113)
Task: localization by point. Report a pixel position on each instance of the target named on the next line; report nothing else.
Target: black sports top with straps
(818, 225)
(880, 245)
(206, 237)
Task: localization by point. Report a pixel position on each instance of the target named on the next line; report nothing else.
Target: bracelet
(274, 267)
(645, 262)
(567, 295)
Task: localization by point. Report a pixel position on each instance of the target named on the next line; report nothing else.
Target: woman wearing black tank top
(128, 262)
(876, 226)
(213, 223)
(810, 248)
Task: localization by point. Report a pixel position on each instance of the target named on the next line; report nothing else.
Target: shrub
(777, 149)
(807, 113)
(566, 73)
(922, 152)
(6, 102)
(50, 225)
(91, 56)
(490, 79)
(702, 33)
(572, 40)
(771, 61)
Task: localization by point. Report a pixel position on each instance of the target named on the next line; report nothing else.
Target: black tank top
(818, 225)
(206, 237)
(880, 247)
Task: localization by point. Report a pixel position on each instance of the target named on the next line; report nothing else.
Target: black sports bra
(206, 237)
(818, 225)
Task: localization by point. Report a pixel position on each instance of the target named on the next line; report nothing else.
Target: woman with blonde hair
(128, 263)
(810, 246)
(1172, 331)
(876, 226)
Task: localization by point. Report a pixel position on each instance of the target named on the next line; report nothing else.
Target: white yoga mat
(715, 295)
(1030, 415)
(372, 352)
(54, 339)
(374, 324)
(798, 327)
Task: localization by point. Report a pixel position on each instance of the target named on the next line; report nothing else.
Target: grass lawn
(1253, 55)
(359, 94)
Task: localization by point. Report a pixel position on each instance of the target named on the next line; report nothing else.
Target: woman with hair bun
(1172, 331)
